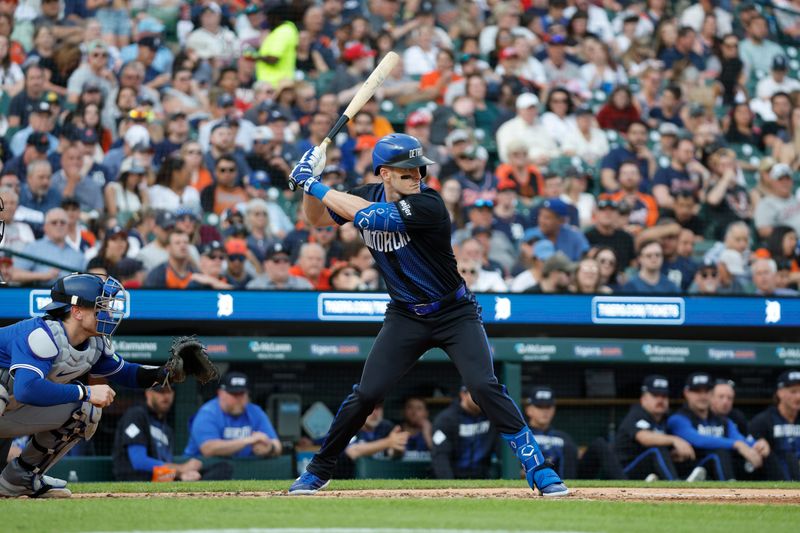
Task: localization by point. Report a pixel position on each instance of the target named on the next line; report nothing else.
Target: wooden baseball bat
(361, 97)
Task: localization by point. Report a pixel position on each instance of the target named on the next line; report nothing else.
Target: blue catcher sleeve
(380, 216)
(30, 388)
(682, 427)
(137, 455)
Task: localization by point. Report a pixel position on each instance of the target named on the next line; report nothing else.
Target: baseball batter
(407, 228)
(41, 361)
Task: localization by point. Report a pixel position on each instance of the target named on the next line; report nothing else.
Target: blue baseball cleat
(307, 484)
(554, 491)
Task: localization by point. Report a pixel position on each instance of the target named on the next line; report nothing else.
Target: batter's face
(403, 181)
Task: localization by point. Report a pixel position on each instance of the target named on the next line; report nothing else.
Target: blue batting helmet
(401, 151)
(104, 294)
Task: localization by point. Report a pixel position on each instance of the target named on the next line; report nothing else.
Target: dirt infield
(699, 495)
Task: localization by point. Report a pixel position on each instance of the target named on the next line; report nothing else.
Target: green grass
(154, 513)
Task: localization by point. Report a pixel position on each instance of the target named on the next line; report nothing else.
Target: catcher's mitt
(188, 356)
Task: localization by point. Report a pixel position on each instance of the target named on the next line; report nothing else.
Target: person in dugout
(779, 425)
(557, 446)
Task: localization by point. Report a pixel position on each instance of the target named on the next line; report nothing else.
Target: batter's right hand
(101, 395)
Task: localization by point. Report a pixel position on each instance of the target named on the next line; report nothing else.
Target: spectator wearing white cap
(779, 207)
(136, 139)
(525, 125)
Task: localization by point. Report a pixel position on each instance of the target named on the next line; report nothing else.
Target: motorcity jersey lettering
(237, 433)
(385, 241)
(786, 430)
(158, 435)
(711, 431)
(470, 430)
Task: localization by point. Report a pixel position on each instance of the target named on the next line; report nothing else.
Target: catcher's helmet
(104, 294)
(399, 150)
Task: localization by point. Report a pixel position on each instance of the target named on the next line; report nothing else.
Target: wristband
(317, 190)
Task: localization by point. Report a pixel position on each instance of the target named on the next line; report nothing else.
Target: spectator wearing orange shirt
(643, 207)
(311, 265)
(225, 193)
(436, 81)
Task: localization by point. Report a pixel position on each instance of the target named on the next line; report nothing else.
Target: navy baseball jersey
(626, 446)
(211, 422)
(462, 444)
(557, 447)
(783, 436)
(140, 427)
(418, 265)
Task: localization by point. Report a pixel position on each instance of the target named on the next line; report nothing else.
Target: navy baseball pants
(404, 337)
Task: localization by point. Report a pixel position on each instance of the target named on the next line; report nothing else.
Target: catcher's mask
(104, 294)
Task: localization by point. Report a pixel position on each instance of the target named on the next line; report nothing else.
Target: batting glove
(316, 158)
(301, 172)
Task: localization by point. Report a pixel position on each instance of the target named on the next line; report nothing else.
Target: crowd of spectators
(592, 147)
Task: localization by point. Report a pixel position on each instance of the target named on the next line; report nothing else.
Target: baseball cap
(115, 230)
(418, 118)
(789, 378)
(263, 134)
(483, 202)
(236, 247)
(655, 384)
(526, 100)
(557, 206)
(165, 219)
(184, 211)
(698, 381)
(779, 63)
(225, 100)
(95, 45)
(126, 267)
(558, 39)
(668, 128)
(477, 230)
(234, 383)
(457, 136)
(150, 41)
(211, 247)
(780, 170)
(542, 396)
(40, 141)
(275, 115)
(260, 179)
(41, 107)
(88, 136)
(365, 142)
(91, 86)
(150, 25)
(333, 169)
(276, 249)
(137, 135)
(558, 262)
(355, 51)
(544, 249)
(584, 110)
(211, 6)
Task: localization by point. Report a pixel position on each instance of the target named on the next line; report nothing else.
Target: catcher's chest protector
(71, 363)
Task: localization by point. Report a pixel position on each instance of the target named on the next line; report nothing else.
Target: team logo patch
(405, 207)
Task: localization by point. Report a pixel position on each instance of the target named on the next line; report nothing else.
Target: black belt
(432, 307)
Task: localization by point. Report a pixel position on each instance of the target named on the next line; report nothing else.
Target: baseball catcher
(43, 365)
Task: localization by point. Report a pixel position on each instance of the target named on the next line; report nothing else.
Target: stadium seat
(371, 468)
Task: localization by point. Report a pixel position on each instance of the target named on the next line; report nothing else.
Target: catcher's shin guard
(538, 472)
(47, 447)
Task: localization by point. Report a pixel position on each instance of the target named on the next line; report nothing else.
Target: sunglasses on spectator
(349, 273)
(226, 169)
(236, 257)
(483, 203)
(216, 257)
(468, 271)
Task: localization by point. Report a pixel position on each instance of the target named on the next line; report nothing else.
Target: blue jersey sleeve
(261, 422)
(137, 455)
(115, 368)
(681, 426)
(206, 426)
(31, 389)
